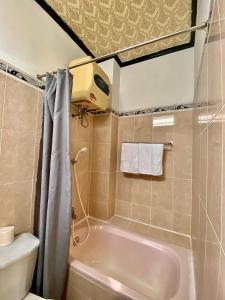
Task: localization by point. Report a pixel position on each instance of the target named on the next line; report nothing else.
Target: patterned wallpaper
(108, 25)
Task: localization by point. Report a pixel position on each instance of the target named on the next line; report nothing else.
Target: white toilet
(17, 263)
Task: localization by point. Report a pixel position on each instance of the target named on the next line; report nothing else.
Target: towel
(150, 159)
(129, 158)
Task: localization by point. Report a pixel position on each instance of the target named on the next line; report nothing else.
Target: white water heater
(91, 86)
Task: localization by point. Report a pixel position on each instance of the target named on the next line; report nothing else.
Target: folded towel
(150, 159)
(129, 158)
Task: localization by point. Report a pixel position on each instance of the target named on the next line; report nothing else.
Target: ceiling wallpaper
(108, 25)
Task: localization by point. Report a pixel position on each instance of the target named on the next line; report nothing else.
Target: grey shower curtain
(53, 193)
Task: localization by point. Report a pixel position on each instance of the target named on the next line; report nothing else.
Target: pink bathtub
(116, 264)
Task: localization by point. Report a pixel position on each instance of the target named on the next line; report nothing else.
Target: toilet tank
(17, 263)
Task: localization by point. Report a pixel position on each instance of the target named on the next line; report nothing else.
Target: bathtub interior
(151, 269)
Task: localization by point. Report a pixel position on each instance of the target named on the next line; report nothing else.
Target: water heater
(91, 86)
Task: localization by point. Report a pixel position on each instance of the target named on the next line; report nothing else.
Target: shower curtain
(53, 193)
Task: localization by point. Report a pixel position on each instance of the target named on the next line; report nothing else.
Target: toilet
(17, 263)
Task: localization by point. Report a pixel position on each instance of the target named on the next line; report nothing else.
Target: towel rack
(165, 144)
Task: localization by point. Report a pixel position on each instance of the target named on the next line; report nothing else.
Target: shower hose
(83, 209)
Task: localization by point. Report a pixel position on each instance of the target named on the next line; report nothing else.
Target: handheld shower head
(82, 150)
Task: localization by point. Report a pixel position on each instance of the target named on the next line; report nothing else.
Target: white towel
(129, 158)
(150, 159)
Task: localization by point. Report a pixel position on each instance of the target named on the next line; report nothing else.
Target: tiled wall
(103, 182)
(20, 128)
(96, 170)
(163, 201)
(81, 137)
(208, 207)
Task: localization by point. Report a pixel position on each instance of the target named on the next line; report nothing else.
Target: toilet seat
(33, 297)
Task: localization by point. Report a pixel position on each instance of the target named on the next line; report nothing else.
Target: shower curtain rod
(113, 54)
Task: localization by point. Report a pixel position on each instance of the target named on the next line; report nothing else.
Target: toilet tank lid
(23, 245)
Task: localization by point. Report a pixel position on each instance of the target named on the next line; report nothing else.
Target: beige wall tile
(168, 163)
(20, 108)
(15, 202)
(103, 120)
(2, 92)
(221, 8)
(223, 184)
(211, 270)
(203, 166)
(126, 129)
(163, 127)
(182, 223)
(141, 187)
(36, 161)
(195, 221)
(39, 117)
(112, 193)
(143, 128)
(123, 208)
(182, 162)
(222, 28)
(196, 165)
(214, 175)
(17, 156)
(221, 285)
(161, 218)
(99, 187)
(198, 246)
(113, 148)
(162, 193)
(7, 202)
(102, 128)
(141, 213)
(124, 187)
(111, 209)
(101, 158)
(182, 196)
(183, 128)
(99, 210)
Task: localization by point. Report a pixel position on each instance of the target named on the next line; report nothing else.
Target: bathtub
(116, 264)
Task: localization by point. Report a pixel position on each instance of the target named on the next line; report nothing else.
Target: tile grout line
(15, 182)
(154, 226)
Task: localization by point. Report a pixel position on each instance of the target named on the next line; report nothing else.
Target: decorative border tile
(147, 110)
(156, 110)
(4, 66)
